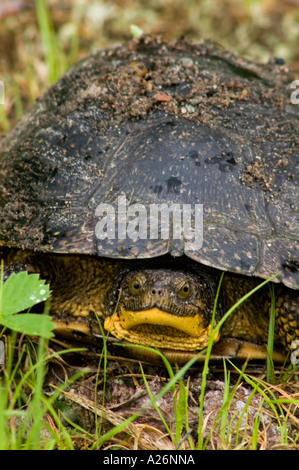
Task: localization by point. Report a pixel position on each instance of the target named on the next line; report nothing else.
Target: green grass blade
(206, 368)
(270, 365)
(153, 401)
(53, 53)
(225, 407)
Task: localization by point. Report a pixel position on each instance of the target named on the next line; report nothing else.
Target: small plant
(21, 292)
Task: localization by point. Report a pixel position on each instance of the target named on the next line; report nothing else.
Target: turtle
(153, 186)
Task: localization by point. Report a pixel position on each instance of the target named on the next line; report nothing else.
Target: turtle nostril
(156, 292)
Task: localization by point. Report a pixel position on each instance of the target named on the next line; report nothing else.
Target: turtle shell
(159, 124)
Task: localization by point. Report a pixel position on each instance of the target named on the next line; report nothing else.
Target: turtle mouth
(156, 328)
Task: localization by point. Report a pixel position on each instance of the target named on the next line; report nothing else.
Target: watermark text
(295, 94)
(155, 221)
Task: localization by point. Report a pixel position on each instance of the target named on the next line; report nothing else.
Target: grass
(52, 59)
(31, 419)
(28, 418)
(54, 56)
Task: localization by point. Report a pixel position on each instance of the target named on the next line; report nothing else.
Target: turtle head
(164, 308)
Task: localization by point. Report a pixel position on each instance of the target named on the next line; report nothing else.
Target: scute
(227, 138)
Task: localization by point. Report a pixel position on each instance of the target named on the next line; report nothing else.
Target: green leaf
(29, 324)
(21, 291)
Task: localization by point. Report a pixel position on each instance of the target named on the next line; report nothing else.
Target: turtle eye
(135, 285)
(184, 290)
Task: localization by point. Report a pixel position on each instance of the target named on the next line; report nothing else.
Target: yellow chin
(156, 328)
